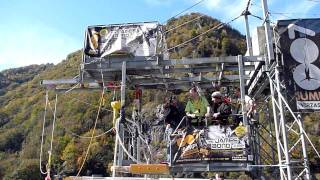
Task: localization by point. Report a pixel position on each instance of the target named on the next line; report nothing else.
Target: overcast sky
(46, 31)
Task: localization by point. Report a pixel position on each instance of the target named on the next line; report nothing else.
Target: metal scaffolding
(273, 150)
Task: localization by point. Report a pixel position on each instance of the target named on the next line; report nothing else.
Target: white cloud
(227, 9)
(158, 2)
(305, 6)
(33, 44)
(212, 4)
(287, 9)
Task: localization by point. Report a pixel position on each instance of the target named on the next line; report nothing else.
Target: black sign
(299, 44)
(213, 144)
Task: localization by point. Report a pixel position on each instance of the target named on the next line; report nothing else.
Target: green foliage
(225, 41)
(10, 140)
(28, 169)
(69, 156)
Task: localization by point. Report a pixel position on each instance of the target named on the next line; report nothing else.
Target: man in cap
(220, 110)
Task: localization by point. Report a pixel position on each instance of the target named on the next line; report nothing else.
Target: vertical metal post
(138, 148)
(267, 30)
(123, 83)
(115, 153)
(242, 89)
(275, 119)
(120, 152)
(133, 140)
(258, 150)
(270, 133)
(282, 116)
(123, 98)
(283, 126)
(282, 119)
(249, 43)
(304, 149)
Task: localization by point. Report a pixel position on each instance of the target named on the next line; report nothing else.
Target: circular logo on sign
(304, 50)
(307, 76)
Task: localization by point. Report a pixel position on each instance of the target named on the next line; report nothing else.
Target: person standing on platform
(196, 107)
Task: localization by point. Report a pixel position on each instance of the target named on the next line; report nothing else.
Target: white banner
(139, 39)
(315, 105)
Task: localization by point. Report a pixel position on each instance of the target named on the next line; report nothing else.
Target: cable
(89, 104)
(264, 20)
(92, 135)
(77, 135)
(71, 88)
(258, 17)
(247, 7)
(171, 29)
(217, 27)
(285, 14)
(88, 137)
(184, 10)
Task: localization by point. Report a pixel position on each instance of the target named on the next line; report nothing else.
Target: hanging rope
(48, 166)
(52, 133)
(88, 137)
(72, 88)
(92, 135)
(87, 103)
(42, 134)
(95, 124)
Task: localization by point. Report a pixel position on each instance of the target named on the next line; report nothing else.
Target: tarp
(138, 39)
(299, 44)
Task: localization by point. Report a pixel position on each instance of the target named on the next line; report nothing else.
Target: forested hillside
(11, 78)
(22, 106)
(222, 42)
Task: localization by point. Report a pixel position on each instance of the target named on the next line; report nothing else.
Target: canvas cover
(137, 39)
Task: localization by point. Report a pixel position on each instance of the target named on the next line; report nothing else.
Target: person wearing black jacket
(219, 111)
(176, 112)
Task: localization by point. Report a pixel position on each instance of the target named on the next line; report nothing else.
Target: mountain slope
(11, 78)
(221, 42)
